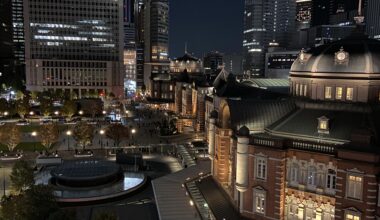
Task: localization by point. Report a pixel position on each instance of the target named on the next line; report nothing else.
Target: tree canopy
(117, 133)
(83, 134)
(22, 176)
(49, 135)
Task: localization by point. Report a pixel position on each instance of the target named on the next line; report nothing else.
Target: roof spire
(186, 47)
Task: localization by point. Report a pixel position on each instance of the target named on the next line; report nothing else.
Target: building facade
(266, 24)
(313, 155)
(156, 42)
(74, 46)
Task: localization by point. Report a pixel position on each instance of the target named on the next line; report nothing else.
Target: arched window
(311, 175)
(294, 172)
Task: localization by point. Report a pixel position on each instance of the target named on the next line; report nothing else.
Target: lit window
(323, 124)
(331, 179)
(328, 92)
(350, 94)
(311, 176)
(261, 168)
(259, 201)
(355, 186)
(338, 93)
(352, 215)
(294, 173)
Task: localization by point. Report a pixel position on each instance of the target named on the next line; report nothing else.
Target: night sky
(206, 25)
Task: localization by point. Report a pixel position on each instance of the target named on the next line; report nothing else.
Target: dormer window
(323, 125)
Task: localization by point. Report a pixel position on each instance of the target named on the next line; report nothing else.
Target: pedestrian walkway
(170, 194)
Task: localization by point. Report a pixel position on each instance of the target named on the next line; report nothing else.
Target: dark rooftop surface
(217, 200)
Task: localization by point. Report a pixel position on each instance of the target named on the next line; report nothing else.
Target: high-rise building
(6, 56)
(233, 63)
(139, 38)
(74, 46)
(267, 23)
(156, 42)
(18, 30)
(373, 18)
(303, 14)
(212, 62)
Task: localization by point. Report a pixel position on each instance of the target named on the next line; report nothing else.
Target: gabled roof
(187, 57)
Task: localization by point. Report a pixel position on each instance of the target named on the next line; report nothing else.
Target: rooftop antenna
(185, 47)
(360, 18)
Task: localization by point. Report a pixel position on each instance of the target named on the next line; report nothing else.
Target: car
(22, 122)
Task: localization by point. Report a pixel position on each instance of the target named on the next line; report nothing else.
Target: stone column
(242, 163)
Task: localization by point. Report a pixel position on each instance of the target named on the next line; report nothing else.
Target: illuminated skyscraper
(18, 31)
(267, 23)
(74, 46)
(156, 41)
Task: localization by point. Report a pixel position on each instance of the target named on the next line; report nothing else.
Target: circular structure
(86, 173)
(89, 181)
(356, 55)
(347, 70)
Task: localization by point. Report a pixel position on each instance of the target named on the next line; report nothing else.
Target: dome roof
(243, 131)
(351, 55)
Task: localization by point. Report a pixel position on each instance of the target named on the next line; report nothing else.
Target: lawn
(37, 128)
(25, 146)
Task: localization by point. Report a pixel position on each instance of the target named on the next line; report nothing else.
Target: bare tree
(49, 135)
(117, 133)
(10, 135)
(83, 134)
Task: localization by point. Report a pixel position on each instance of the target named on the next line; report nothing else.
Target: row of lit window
(339, 93)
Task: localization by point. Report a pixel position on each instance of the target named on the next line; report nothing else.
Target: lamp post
(68, 133)
(133, 131)
(80, 112)
(34, 134)
(101, 132)
(56, 113)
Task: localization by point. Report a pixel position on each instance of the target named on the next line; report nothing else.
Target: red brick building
(313, 155)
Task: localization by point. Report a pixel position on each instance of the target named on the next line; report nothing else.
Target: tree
(22, 107)
(69, 108)
(106, 216)
(117, 133)
(22, 176)
(10, 207)
(38, 203)
(10, 135)
(46, 106)
(83, 134)
(3, 105)
(49, 135)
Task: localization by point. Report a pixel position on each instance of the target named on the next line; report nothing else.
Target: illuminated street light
(81, 112)
(6, 113)
(101, 132)
(34, 134)
(56, 112)
(133, 131)
(68, 133)
(31, 113)
(104, 112)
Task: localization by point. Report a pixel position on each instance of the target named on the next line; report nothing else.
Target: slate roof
(258, 114)
(303, 124)
(187, 57)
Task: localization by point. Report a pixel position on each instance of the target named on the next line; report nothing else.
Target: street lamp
(68, 133)
(34, 134)
(81, 112)
(31, 113)
(56, 112)
(104, 112)
(101, 132)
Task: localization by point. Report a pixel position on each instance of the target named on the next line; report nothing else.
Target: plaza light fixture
(101, 132)
(56, 112)
(81, 112)
(34, 133)
(104, 112)
(68, 133)
(31, 113)
(133, 130)
(6, 113)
